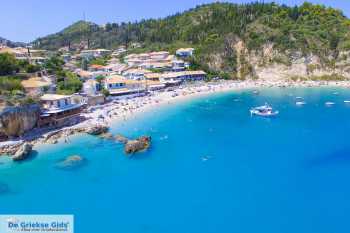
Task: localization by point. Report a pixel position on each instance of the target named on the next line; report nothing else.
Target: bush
(10, 84)
(105, 92)
(69, 85)
(30, 68)
(8, 64)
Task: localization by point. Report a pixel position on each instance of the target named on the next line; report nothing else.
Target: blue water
(287, 174)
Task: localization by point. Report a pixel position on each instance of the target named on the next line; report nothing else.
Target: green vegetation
(333, 77)
(99, 61)
(8, 64)
(10, 85)
(105, 92)
(54, 65)
(214, 28)
(69, 84)
(100, 78)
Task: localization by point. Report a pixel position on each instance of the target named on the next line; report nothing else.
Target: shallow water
(211, 168)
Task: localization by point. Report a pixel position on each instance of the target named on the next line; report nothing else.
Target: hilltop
(9, 43)
(233, 40)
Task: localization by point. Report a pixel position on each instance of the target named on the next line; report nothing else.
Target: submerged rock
(97, 130)
(23, 152)
(140, 144)
(4, 188)
(106, 136)
(120, 138)
(71, 162)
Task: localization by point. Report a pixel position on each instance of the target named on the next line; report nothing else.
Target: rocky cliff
(15, 121)
(272, 64)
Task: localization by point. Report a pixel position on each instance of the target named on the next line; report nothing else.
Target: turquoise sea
(211, 168)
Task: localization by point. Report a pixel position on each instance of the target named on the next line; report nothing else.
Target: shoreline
(122, 108)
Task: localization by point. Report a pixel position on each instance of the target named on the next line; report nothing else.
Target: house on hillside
(91, 87)
(90, 54)
(136, 74)
(185, 52)
(36, 86)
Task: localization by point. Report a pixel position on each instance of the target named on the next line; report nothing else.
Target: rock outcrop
(140, 144)
(107, 136)
(120, 138)
(15, 121)
(97, 130)
(23, 152)
(71, 162)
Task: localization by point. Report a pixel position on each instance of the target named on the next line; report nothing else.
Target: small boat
(206, 158)
(265, 111)
(256, 92)
(300, 103)
(329, 103)
(347, 101)
(335, 93)
(299, 98)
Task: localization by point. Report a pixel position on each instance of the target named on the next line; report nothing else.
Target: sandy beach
(122, 108)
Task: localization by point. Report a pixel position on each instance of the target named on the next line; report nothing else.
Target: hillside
(235, 39)
(9, 43)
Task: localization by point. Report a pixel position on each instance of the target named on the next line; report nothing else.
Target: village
(105, 75)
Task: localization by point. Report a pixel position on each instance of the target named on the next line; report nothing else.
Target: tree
(100, 78)
(54, 64)
(8, 64)
(71, 84)
(30, 68)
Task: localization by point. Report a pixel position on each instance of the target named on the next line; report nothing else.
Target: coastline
(122, 108)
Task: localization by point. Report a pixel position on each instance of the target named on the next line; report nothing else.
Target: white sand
(121, 108)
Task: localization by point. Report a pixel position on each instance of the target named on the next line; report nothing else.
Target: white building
(185, 52)
(118, 85)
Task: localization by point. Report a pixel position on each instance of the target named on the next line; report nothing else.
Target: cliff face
(15, 121)
(269, 63)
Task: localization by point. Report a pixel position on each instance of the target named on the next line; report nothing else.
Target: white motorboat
(300, 103)
(265, 111)
(347, 101)
(329, 103)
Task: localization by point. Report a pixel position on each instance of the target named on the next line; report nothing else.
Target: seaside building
(153, 76)
(118, 85)
(174, 78)
(178, 65)
(58, 110)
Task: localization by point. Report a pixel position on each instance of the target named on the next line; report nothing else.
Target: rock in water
(97, 130)
(71, 162)
(4, 188)
(107, 136)
(23, 152)
(140, 144)
(120, 138)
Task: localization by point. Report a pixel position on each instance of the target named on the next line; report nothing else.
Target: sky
(26, 20)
